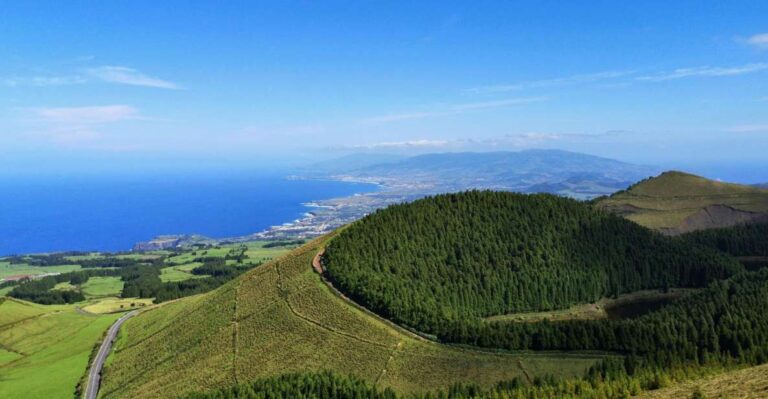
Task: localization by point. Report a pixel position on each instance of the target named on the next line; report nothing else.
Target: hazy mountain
(553, 171)
(348, 162)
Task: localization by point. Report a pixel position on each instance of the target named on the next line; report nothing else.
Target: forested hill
(481, 253)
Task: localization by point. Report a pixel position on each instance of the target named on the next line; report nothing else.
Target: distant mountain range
(677, 202)
(553, 171)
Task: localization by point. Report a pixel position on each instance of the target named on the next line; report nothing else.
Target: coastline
(320, 217)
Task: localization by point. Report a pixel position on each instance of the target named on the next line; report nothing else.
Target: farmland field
(102, 286)
(111, 305)
(281, 318)
(7, 269)
(179, 273)
(45, 343)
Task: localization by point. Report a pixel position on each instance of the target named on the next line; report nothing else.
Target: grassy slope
(45, 349)
(665, 201)
(281, 318)
(593, 311)
(7, 269)
(749, 383)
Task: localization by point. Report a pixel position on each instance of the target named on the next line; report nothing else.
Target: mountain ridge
(554, 171)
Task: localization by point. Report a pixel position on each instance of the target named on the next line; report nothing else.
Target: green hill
(677, 202)
(459, 257)
(281, 318)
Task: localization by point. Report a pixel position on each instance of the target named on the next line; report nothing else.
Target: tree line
(740, 240)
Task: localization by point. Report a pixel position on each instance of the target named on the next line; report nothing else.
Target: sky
(122, 87)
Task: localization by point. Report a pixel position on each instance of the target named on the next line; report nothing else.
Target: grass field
(281, 318)
(102, 286)
(7, 269)
(180, 272)
(45, 349)
(748, 383)
(111, 305)
(598, 310)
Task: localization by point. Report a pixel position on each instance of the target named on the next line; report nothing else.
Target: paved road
(94, 374)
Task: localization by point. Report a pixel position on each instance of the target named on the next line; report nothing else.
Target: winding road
(94, 373)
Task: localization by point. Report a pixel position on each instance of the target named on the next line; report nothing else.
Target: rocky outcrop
(158, 243)
(716, 216)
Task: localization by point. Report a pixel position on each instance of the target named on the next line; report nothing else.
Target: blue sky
(91, 87)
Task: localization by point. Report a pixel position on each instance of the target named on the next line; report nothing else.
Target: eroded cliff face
(716, 216)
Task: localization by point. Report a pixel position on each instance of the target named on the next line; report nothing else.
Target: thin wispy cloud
(760, 40)
(497, 104)
(79, 125)
(43, 81)
(544, 83)
(754, 128)
(108, 74)
(87, 115)
(130, 76)
(513, 141)
(454, 109)
(705, 71)
(397, 145)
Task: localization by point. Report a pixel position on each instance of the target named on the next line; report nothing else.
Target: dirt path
(316, 264)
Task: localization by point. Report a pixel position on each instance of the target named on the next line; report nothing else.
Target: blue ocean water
(111, 214)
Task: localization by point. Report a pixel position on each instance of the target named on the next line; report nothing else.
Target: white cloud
(87, 115)
(760, 40)
(79, 126)
(110, 74)
(43, 81)
(705, 71)
(512, 141)
(129, 76)
(562, 81)
(399, 145)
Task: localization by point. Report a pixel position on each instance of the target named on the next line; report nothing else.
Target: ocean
(111, 214)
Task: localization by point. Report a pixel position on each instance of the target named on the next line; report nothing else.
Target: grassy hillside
(749, 383)
(676, 202)
(459, 257)
(281, 318)
(44, 350)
